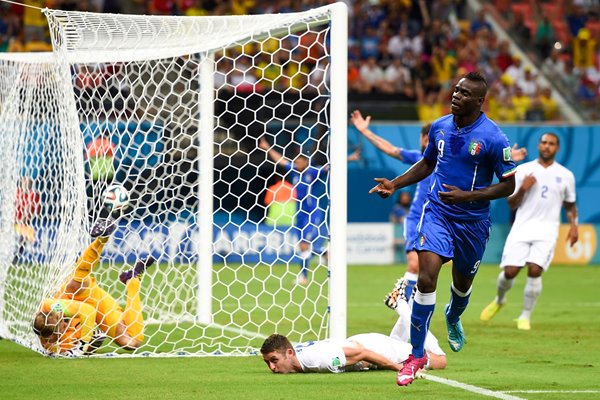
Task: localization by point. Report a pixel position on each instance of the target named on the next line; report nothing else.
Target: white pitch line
(551, 391)
(469, 388)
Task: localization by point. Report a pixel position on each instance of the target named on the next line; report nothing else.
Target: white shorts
(517, 253)
(393, 349)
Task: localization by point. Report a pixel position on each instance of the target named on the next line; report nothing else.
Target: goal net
(229, 133)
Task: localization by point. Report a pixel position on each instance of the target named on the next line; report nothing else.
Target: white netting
(173, 109)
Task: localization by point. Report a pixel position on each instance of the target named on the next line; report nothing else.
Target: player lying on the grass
(362, 352)
(66, 322)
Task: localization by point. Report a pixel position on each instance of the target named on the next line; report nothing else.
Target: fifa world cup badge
(506, 153)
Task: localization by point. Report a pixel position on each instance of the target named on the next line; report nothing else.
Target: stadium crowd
(410, 50)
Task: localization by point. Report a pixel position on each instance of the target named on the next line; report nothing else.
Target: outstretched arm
(501, 189)
(358, 353)
(572, 216)
(416, 173)
(518, 154)
(362, 125)
(273, 154)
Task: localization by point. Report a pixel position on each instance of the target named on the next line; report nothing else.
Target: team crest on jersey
(558, 179)
(57, 307)
(474, 148)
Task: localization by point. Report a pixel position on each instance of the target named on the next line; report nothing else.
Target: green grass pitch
(558, 359)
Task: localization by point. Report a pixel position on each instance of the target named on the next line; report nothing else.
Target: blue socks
(458, 304)
(422, 310)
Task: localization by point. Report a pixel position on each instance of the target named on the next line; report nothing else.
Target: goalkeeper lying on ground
(66, 323)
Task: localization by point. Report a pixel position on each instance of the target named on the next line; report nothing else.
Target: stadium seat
(561, 30)
(522, 8)
(594, 28)
(502, 6)
(552, 10)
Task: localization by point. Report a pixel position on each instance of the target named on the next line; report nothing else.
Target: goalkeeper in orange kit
(66, 323)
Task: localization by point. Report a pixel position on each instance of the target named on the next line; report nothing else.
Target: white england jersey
(321, 355)
(328, 355)
(538, 216)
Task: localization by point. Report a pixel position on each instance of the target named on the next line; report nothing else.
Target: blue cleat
(456, 334)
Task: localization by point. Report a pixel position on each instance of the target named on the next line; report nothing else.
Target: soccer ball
(116, 197)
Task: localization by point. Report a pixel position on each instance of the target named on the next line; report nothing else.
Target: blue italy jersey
(416, 207)
(304, 182)
(467, 158)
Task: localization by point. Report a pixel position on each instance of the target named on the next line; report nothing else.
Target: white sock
(409, 276)
(502, 287)
(401, 330)
(533, 289)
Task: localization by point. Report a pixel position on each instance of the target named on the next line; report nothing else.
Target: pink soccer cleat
(411, 366)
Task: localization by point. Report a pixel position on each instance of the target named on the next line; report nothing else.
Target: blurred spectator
(520, 29)
(480, 22)
(430, 103)
(504, 57)
(487, 48)
(399, 43)
(545, 37)
(355, 82)
(554, 65)
(506, 111)
(549, 105)
(280, 200)
(521, 102)
(584, 47)
(516, 69)
(535, 112)
(397, 80)
(371, 75)
(36, 43)
(401, 208)
(196, 9)
(34, 22)
(576, 18)
(587, 92)
(529, 82)
(443, 66)
(27, 207)
(369, 44)
(491, 70)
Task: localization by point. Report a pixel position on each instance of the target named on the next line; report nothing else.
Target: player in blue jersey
(310, 216)
(414, 215)
(465, 151)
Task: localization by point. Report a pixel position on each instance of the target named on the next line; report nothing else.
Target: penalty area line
(469, 388)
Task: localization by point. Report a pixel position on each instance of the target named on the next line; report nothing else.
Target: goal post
(177, 110)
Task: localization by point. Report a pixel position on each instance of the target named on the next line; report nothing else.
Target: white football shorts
(517, 253)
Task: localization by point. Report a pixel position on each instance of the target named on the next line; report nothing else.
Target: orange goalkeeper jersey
(81, 318)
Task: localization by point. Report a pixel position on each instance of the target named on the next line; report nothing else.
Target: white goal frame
(66, 54)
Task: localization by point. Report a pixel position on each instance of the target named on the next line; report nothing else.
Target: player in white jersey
(360, 352)
(543, 187)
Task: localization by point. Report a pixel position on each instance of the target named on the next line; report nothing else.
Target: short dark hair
(476, 76)
(275, 342)
(40, 327)
(551, 134)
